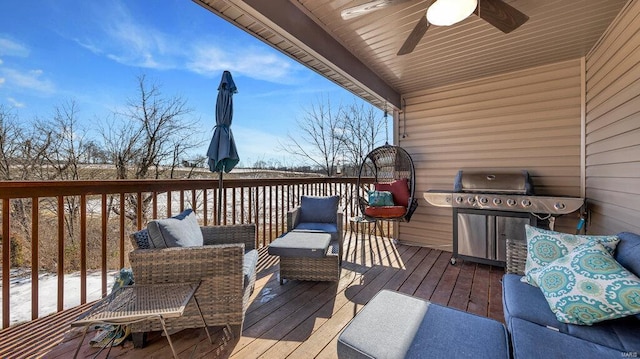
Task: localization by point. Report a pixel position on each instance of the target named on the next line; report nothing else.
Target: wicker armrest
(293, 218)
(189, 264)
(516, 256)
(237, 233)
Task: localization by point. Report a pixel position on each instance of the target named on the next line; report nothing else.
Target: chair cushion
(140, 239)
(301, 244)
(399, 189)
(530, 340)
(545, 246)
(396, 325)
(249, 264)
(181, 230)
(319, 209)
(628, 252)
(385, 211)
(331, 228)
(380, 198)
(588, 286)
(523, 301)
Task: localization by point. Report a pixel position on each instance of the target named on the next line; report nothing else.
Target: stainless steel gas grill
(489, 208)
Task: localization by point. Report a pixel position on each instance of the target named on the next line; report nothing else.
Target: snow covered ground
(20, 292)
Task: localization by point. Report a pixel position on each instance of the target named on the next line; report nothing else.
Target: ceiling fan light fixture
(449, 12)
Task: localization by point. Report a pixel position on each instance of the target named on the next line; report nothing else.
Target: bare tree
(360, 134)
(153, 133)
(150, 138)
(330, 135)
(319, 140)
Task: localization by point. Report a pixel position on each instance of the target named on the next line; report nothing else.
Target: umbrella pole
(220, 198)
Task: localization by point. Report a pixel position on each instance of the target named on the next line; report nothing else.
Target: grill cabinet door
(472, 235)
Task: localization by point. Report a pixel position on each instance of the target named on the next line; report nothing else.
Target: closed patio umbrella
(222, 152)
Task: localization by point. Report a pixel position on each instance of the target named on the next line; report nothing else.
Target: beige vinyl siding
(527, 119)
(613, 126)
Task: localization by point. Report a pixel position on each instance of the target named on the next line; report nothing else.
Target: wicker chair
(224, 290)
(313, 269)
(516, 256)
(387, 164)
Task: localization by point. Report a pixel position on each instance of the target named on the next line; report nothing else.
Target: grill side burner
(489, 208)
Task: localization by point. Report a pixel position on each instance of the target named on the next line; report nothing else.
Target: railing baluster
(233, 205)
(6, 263)
(181, 200)
(169, 200)
(103, 244)
(242, 190)
(204, 207)
(60, 253)
(83, 248)
(35, 259)
(154, 205)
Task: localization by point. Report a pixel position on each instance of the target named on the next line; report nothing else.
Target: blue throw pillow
(588, 286)
(319, 209)
(182, 230)
(380, 198)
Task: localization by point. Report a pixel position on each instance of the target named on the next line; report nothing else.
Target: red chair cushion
(385, 211)
(399, 189)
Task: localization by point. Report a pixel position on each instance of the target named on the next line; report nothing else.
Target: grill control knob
(559, 206)
(459, 199)
(471, 200)
(526, 203)
(484, 200)
(497, 201)
(511, 202)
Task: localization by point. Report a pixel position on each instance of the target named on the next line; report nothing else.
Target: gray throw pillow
(319, 209)
(182, 230)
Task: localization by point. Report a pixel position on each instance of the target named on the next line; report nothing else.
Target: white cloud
(124, 40)
(15, 103)
(2, 80)
(128, 41)
(210, 60)
(31, 80)
(9, 47)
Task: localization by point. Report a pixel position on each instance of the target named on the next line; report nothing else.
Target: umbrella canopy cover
(222, 152)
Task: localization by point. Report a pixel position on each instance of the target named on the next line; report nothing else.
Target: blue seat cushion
(396, 325)
(316, 227)
(301, 244)
(526, 302)
(249, 264)
(628, 252)
(530, 340)
(319, 209)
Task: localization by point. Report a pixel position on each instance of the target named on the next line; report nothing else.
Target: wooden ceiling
(360, 54)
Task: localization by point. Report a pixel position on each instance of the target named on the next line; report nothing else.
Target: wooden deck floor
(303, 319)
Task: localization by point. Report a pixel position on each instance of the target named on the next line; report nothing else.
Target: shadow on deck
(303, 319)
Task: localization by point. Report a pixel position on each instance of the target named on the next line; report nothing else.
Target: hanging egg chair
(392, 196)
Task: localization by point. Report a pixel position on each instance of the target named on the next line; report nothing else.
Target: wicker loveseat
(225, 266)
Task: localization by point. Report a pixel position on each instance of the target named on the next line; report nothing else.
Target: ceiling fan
(498, 13)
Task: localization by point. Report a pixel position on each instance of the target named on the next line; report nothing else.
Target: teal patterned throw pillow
(545, 246)
(589, 286)
(380, 198)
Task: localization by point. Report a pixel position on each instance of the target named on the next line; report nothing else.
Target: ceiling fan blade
(501, 15)
(415, 36)
(365, 8)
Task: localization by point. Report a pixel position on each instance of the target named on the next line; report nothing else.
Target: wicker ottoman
(395, 325)
(307, 256)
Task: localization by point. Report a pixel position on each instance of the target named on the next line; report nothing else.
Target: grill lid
(484, 182)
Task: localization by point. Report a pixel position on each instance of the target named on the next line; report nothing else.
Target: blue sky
(91, 52)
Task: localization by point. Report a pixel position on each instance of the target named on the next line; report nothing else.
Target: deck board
(303, 319)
